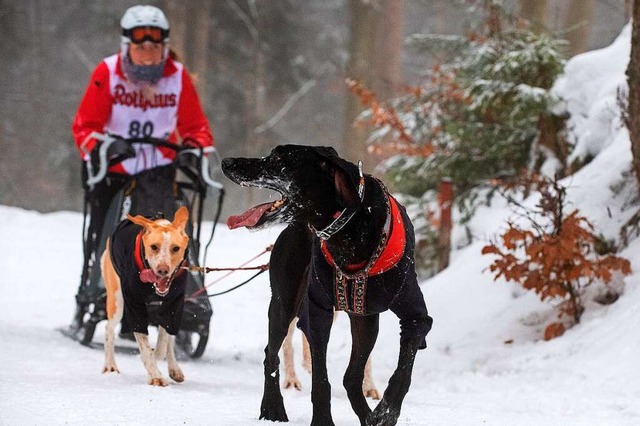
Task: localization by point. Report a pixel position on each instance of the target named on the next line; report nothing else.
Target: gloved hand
(191, 143)
(119, 151)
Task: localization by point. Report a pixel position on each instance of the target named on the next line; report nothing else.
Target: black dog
(349, 245)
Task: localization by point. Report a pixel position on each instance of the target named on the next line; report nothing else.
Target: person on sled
(141, 91)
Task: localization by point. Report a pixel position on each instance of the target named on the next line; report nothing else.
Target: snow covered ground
(485, 365)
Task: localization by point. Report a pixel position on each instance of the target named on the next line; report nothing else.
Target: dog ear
(141, 221)
(346, 177)
(326, 151)
(180, 218)
(346, 188)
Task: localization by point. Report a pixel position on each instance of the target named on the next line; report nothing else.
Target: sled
(193, 179)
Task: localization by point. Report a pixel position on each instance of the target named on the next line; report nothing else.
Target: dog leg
(162, 344)
(109, 346)
(115, 309)
(272, 406)
(388, 410)
(175, 372)
(165, 349)
(369, 388)
(320, 329)
(306, 354)
(287, 272)
(149, 360)
(364, 332)
(415, 323)
(290, 377)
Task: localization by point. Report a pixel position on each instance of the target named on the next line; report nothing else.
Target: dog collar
(389, 251)
(345, 215)
(139, 253)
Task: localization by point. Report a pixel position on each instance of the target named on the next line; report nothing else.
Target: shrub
(556, 255)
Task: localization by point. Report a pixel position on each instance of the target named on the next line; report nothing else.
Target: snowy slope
(469, 374)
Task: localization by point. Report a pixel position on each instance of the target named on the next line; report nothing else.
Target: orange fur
(111, 281)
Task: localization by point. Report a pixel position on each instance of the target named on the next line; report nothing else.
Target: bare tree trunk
(364, 20)
(189, 37)
(534, 11)
(256, 95)
(177, 15)
(494, 20)
(390, 48)
(445, 201)
(633, 79)
(578, 23)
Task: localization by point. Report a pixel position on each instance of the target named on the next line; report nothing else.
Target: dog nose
(163, 270)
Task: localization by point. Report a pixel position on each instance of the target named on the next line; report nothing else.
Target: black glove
(191, 143)
(119, 151)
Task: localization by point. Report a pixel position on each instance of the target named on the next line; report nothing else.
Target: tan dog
(142, 257)
(291, 379)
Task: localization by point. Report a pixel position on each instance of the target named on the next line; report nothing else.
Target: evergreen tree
(476, 118)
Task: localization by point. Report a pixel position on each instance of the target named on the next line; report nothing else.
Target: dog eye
(175, 249)
(154, 247)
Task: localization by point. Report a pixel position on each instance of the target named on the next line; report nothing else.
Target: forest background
(268, 72)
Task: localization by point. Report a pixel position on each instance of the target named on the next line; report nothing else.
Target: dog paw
(176, 374)
(158, 381)
(383, 415)
(110, 368)
(372, 393)
(322, 421)
(292, 383)
(274, 412)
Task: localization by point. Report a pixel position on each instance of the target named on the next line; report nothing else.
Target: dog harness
(386, 255)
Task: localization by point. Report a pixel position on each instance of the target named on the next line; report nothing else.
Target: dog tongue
(248, 218)
(148, 276)
(161, 283)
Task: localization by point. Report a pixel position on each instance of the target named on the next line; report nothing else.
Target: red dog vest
(386, 256)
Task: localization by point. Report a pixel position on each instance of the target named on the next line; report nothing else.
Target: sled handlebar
(107, 140)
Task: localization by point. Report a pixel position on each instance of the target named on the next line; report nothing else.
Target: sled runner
(156, 192)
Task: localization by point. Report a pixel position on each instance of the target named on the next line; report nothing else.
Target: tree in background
(577, 25)
(633, 78)
(535, 12)
(390, 47)
(190, 35)
(632, 112)
(476, 118)
(364, 17)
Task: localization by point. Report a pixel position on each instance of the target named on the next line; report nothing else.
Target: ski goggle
(139, 35)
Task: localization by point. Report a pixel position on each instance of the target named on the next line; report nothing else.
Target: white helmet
(143, 16)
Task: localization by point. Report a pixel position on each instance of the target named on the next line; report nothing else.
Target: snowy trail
(467, 376)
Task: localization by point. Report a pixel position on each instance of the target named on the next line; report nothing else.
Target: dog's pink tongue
(248, 218)
(148, 276)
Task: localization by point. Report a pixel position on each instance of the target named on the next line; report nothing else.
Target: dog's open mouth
(256, 215)
(160, 284)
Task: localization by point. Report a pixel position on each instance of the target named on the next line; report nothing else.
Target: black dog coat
(136, 293)
(396, 289)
